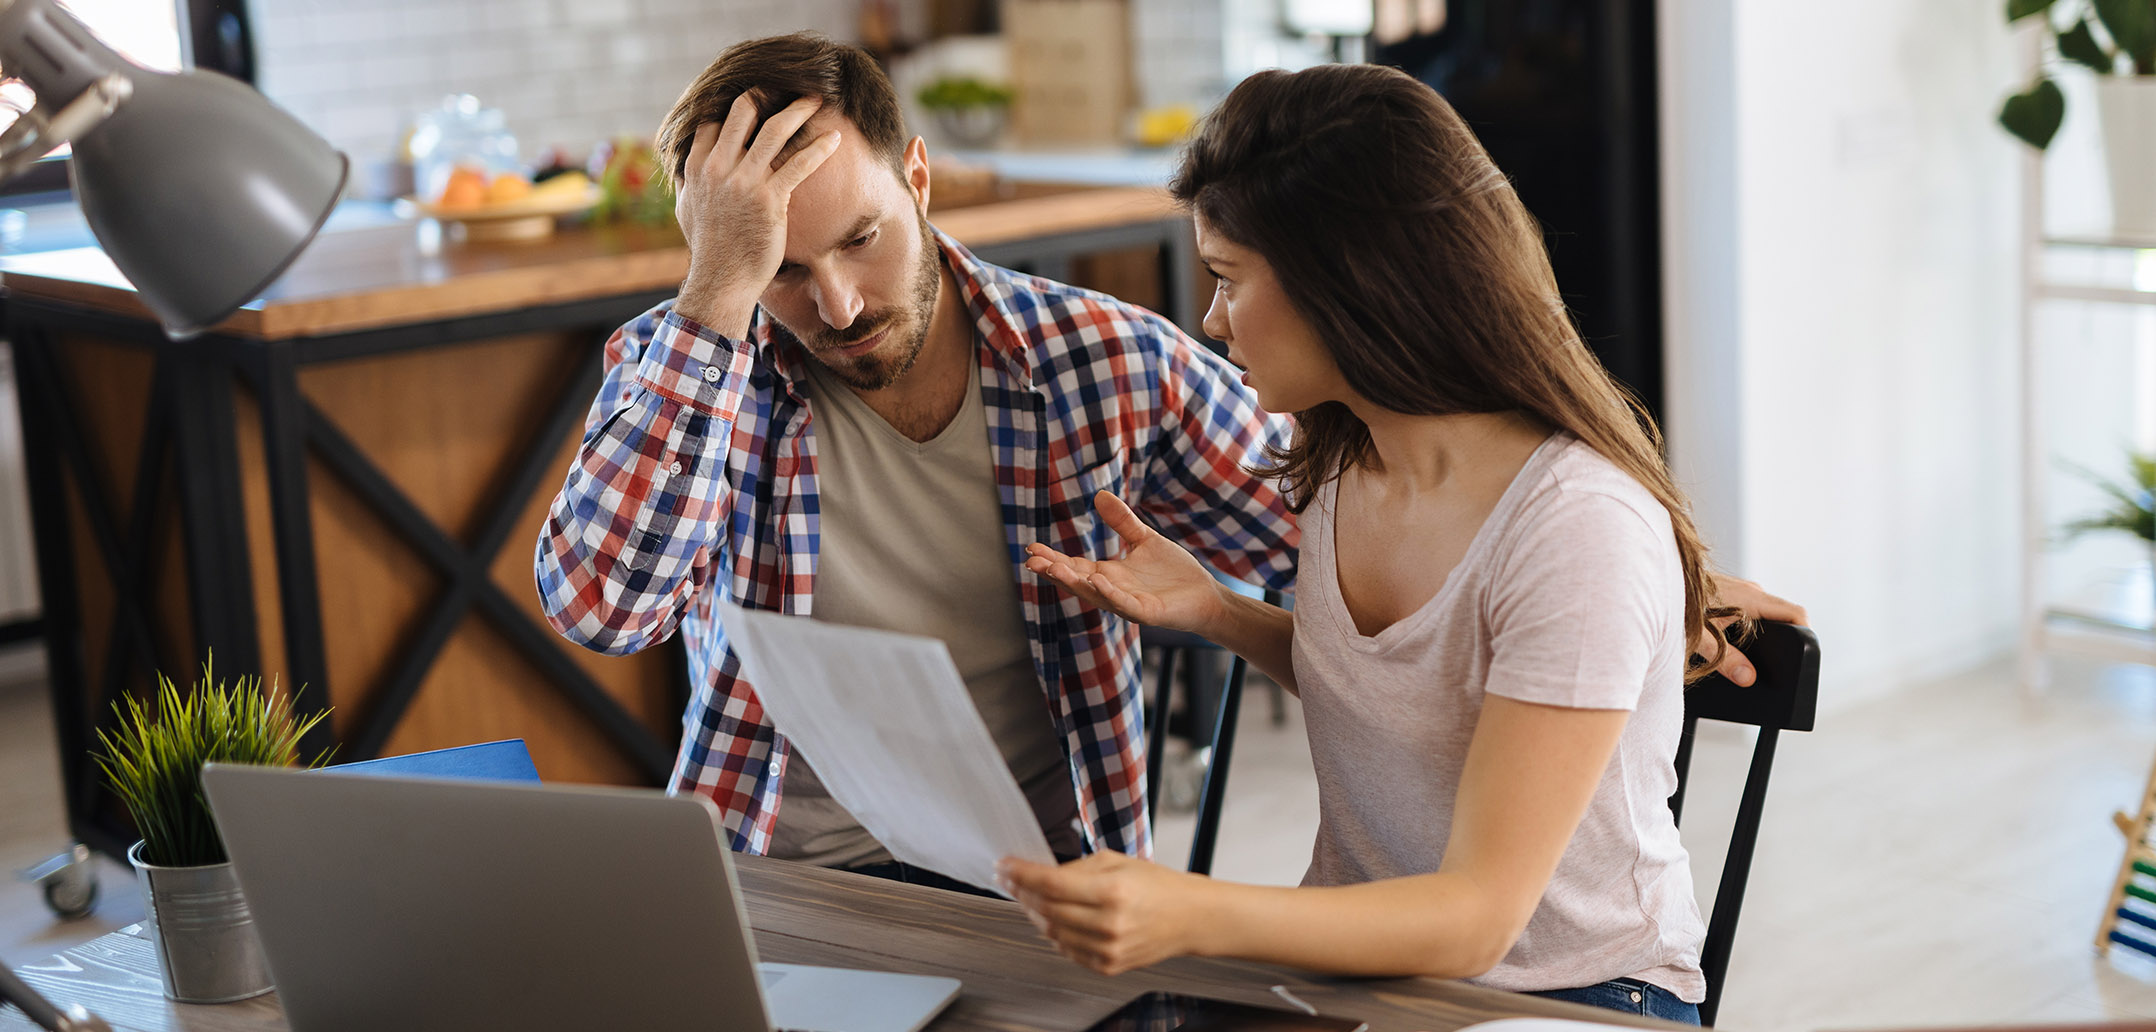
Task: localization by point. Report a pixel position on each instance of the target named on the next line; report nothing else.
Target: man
(845, 415)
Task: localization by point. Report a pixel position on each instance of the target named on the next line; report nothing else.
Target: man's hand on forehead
(808, 133)
(732, 205)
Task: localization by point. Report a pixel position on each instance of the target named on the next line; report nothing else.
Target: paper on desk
(887, 722)
(1539, 1025)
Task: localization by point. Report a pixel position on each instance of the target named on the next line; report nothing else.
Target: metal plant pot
(207, 950)
(979, 125)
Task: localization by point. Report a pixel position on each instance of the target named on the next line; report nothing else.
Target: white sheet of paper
(888, 724)
(1539, 1025)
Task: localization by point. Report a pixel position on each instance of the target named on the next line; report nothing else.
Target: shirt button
(775, 768)
(675, 469)
(711, 374)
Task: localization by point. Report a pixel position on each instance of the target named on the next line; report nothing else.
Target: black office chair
(1783, 698)
(1171, 650)
(1174, 651)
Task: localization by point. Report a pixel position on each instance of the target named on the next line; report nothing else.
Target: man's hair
(782, 69)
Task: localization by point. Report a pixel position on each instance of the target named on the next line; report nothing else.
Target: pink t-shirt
(1571, 594)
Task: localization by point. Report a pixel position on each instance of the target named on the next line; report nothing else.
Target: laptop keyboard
(771, 978)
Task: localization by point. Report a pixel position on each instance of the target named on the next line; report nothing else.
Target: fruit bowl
(530, 217)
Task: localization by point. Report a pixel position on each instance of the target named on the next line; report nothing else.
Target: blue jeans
(892, 870)
(1631, 996)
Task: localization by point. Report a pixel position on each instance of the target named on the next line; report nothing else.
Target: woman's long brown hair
(1402, 245)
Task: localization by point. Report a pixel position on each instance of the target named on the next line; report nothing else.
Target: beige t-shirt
(912, 540)
(1570, 595)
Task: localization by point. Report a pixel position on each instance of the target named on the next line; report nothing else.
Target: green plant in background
(2104, 36)
(958, 92)
(632, 187)
(154, 759)
(2133, 501)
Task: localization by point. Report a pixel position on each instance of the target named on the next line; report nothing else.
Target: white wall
(567, 73)
(1843, 303)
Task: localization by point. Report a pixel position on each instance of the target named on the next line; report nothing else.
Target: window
(153, 33)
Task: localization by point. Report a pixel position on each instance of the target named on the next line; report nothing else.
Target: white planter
(2127, 107)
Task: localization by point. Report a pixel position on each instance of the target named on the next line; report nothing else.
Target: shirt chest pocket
(1074, 525)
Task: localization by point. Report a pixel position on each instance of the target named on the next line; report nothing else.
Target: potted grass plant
(2133, 503)
(206, 943)
(2115, 39)
(971, 111)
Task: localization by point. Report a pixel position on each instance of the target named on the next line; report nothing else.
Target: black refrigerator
(1562, 92)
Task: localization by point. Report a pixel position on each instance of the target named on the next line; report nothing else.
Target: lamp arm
(34, 134)
(41, 1011)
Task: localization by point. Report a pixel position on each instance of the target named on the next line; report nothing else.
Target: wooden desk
(339, 486)
(805, 915)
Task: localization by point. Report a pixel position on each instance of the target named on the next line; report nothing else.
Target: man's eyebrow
(860, 226)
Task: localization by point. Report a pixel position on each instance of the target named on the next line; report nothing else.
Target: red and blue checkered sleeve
(1198, 489)
(639, 524)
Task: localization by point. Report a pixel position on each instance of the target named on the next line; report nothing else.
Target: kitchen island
(339, 486)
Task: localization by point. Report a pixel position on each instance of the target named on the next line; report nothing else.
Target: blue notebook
(506, 760)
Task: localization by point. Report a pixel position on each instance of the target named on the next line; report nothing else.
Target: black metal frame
(218, 36)
(1170, 647)
(1051, 257)
(189, 461)
(1785, 697)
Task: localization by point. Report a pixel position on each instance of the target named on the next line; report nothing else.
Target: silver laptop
(454, 905)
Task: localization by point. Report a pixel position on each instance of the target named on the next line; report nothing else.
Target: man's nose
(837, 300)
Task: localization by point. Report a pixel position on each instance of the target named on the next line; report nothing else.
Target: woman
(1497, 589)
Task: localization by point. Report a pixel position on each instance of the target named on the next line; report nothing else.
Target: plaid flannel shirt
(697, 475)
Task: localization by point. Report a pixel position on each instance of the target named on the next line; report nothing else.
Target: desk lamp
(200, 190)
(73, 1019)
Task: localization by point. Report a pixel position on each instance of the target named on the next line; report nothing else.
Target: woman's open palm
(1156, 581)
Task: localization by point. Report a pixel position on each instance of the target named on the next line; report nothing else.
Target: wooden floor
(1935, 857)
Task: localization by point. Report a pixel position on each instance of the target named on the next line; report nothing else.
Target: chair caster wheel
(68, 882)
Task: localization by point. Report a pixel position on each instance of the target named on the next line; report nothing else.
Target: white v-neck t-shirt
(1571, 594)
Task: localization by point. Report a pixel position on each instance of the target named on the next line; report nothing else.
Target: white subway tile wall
(567, 73)
(1179, 52)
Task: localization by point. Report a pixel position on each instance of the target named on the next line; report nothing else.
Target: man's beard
(882, 367)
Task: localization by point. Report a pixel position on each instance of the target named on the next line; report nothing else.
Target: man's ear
(916, 171)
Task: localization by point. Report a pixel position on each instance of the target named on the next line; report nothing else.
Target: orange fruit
(507, 187)
(467, 188)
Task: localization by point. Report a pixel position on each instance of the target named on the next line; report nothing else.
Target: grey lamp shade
(202, 193)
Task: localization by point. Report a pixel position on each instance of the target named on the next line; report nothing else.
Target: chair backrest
(1785, 697)
(506, 760)
(1173, 648)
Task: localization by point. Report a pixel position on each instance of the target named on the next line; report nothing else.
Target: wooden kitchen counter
(340, 486)
(384, 276)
